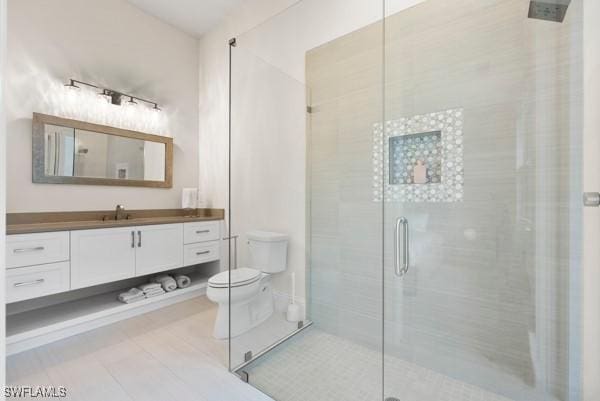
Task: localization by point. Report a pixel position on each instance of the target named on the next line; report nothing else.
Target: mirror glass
(72, 152)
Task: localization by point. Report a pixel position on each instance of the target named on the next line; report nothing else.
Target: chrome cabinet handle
(401, 248)
(27, 283)
(139, 239)
(202, 253)
(133, 239)
(202, 231)
(34, 249)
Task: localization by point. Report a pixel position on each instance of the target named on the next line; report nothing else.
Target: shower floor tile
(317, 366)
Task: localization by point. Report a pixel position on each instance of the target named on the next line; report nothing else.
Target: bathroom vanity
(64, 270)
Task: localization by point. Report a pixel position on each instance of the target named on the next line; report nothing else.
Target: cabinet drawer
(201, 253)
(36, 249)
(36, 281)
(201, 232)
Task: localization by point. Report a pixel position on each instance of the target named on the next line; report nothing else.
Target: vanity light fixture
(131, 102)
(113, 96)
(71, 85)
(105, 96)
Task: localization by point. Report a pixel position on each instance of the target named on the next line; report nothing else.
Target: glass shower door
(307, 56)
(266, 194)
(480, 180)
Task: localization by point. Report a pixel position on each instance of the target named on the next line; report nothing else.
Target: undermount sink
(118, 215)
(114, 218)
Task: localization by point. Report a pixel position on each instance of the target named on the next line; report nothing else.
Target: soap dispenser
(420, 173)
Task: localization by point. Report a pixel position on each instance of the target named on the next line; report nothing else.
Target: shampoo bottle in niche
(420, 173)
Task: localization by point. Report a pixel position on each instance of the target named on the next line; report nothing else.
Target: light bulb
(131, 102)
(105, 97)
(72, 86)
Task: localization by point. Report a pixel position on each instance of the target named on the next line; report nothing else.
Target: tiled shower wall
(488, 295)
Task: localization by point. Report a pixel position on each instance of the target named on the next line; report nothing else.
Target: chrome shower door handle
(401, 247)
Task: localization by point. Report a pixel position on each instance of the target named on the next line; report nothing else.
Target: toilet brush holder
(293, 313)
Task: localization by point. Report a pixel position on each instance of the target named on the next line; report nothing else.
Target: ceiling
(195, 17)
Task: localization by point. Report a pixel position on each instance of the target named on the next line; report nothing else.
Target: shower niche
(419, 158)
(415, 158)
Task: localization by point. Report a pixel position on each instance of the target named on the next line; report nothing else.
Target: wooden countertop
(27, 223)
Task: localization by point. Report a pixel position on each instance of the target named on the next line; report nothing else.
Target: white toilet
(251, 294)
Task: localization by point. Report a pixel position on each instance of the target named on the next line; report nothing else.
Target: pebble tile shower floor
(316, 366)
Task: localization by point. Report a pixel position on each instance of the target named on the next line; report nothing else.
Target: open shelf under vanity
(32, 328)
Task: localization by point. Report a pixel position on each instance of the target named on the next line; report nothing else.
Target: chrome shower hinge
(591, 199)
(244, 376)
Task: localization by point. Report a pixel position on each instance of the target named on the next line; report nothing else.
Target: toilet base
(246, 315)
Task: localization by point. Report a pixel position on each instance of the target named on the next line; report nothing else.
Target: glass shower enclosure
(423, 159)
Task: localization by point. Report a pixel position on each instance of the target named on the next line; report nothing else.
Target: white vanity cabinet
(158, 248)
(47, 263)
(41, 264)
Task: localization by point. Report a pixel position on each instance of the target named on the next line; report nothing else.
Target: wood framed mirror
(69, 151)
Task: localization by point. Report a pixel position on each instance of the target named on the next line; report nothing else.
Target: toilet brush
(293, 310)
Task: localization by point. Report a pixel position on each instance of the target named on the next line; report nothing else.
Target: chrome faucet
(119, 212)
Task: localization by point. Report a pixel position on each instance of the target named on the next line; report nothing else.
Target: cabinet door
(101, 256)
(158, 248)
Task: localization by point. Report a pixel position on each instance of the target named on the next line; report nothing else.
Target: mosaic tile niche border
(451, 187)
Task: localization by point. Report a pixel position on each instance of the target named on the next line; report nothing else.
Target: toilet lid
(239, 277)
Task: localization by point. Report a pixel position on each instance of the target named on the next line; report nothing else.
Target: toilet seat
(239, 277)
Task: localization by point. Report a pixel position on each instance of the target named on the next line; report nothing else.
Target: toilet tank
(268, 251)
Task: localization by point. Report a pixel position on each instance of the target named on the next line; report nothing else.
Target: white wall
(110, 43)
(591, 229)
(2, 191)
(278, 43)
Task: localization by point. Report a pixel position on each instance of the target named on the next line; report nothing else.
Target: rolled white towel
(132, 295)
(168, 283)
(183, 281)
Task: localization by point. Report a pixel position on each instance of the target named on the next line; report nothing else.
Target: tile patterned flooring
(316, 366)
(170, 354)
(165, 355)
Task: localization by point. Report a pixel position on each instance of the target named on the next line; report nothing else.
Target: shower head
(549, 10)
